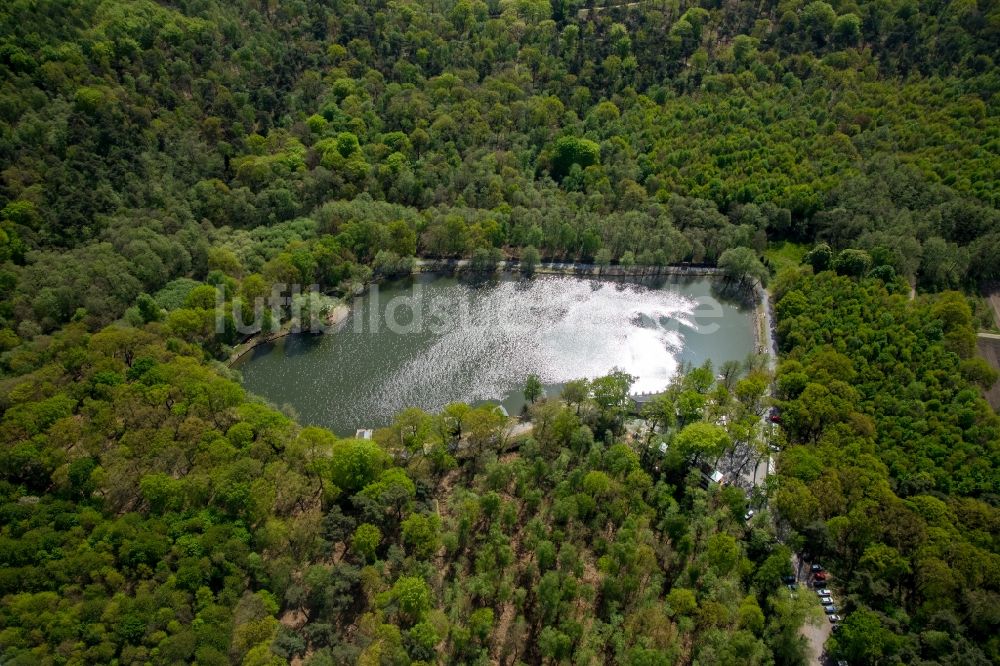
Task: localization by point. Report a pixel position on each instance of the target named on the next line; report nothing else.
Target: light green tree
(532, 388)
(354, 463)
(412, 597)
(366, 541)
(741, 264)
(702, 441)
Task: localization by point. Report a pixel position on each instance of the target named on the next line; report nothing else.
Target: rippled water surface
(434, 340)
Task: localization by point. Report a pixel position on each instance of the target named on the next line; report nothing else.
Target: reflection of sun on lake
(474, 342)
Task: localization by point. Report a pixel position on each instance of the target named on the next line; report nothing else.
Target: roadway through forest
(993, 298)
(744, 464)
(989, 348)
(741, 458)
(814, 631)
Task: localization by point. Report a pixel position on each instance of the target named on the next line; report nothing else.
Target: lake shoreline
(562, 327)
(457, 266)
(336, 317)
(760, 314)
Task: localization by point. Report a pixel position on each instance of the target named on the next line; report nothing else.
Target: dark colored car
(788, 580)
(816, 568)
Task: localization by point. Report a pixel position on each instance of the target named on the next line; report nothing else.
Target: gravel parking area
(815, 633)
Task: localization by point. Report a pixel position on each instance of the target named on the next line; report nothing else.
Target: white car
(824, 593)
(834, 618)
(748, 515)
(826, 601)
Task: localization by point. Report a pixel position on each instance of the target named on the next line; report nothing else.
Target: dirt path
(815, 632)
(993, 298)
(989, 343)
(766, 327)
(518, 429)
(989, 349)
(815, 635)
(501, 640)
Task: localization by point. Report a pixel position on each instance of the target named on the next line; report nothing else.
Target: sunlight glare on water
(560, 328)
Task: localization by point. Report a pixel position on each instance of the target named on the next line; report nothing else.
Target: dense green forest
(185, 516)
(154, 154)
(137, 136)
(892, 465)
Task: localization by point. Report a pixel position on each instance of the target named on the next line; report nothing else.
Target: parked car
(826, 600)
(816, 568)
(819, 584)
(830, 609)
(788, 580)
(821, 576)
(836, 627)
(748, 515)
(824, 593)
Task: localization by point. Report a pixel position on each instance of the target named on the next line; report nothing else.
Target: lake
(430, 340)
